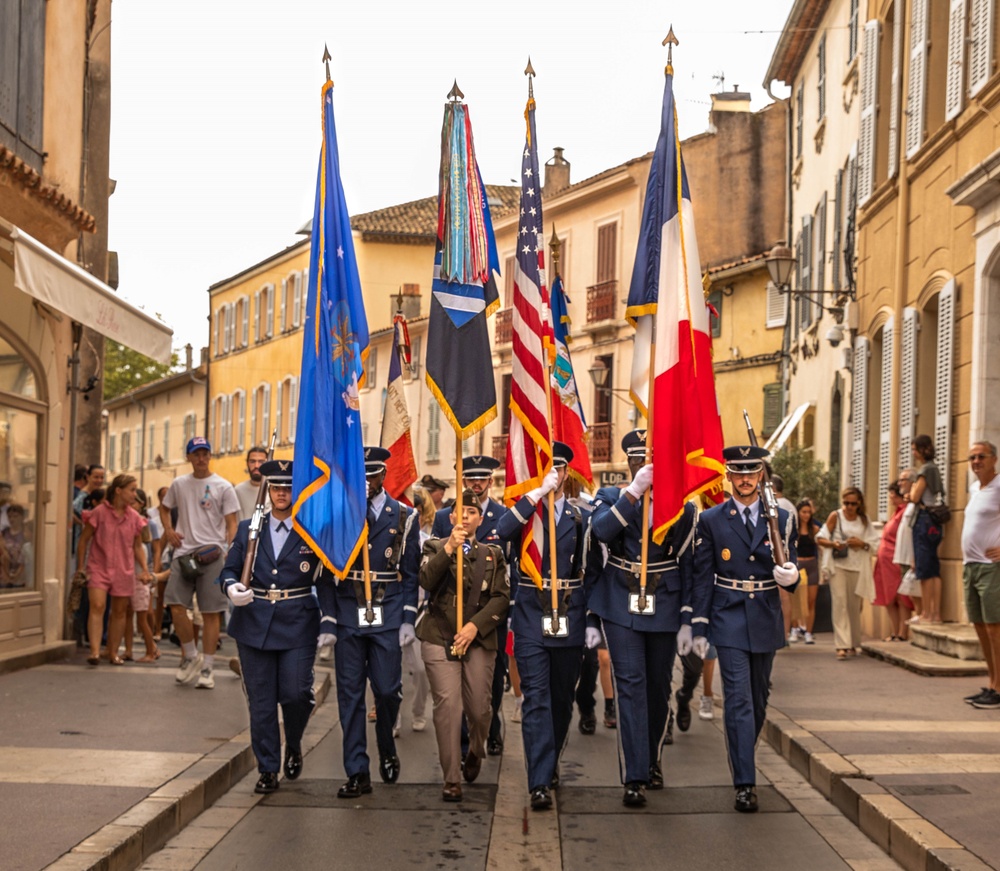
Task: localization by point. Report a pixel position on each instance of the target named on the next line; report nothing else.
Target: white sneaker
(419, 724)
(189, 668)
(809, 638)
(516, 716)
(206, 680)
(705, 709)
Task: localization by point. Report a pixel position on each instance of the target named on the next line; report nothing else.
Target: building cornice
(796, 37)
(31, 182)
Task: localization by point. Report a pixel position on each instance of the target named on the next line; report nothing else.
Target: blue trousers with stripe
(745, 680)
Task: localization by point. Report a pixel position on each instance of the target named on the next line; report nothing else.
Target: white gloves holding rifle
(326, 639)
(642, 482)
(684, 640)
(786, 575)
(239, 595)
(549, 483)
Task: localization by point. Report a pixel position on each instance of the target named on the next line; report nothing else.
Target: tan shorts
(180, 590)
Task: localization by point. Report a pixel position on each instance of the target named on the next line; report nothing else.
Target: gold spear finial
(455, 93)
(555, 246)
(326, 59)
(529, 71)
(670, 41)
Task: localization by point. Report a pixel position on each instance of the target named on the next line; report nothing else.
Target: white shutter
(981, 45)
(943, 380)
(777, 307)
(907, 383)
(218, 331)
(955, 77)
(278, 416)
(433, 430)
(806, 275)
(254, 435)
(266, 416)
(916, 99)
(819, 264)
(894, 87)
(245, 327)
(859, 412)
(297, 300)
(869, 94)
(242, 423)
(138, 447)
(885, 440)
(166, 440)
(256, 316)
(269, 315)
(293, 407)
(284, 304)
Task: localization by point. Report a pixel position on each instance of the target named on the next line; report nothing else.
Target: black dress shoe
(471, 767)
(356, 786)
(655, 776)
(540, 798)
(610, 719)
(683, 712)
(494, 747)
(554, 783)
(635, 795)
(388, 768)
(669, 739)
(267, 783)
(746, 800)
(293, 763)
(588, 724)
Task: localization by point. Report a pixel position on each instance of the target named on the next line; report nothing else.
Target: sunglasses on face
(851, 504)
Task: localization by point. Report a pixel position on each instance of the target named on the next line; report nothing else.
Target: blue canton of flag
(329, 483)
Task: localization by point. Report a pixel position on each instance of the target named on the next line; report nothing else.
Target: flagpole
(459, 552)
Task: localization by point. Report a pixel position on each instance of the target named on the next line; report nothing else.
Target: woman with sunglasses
(851, 537)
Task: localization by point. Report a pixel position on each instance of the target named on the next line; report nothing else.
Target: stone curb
(126, 842)
(914, 842)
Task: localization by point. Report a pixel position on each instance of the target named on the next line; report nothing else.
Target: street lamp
(599, 374)
(780, 263)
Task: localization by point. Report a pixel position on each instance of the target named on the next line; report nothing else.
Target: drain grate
(930, 789)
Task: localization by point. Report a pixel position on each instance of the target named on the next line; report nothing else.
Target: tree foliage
(125, 369)
(804, 476)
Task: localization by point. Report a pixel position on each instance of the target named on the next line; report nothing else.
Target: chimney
(731, 101)
(188, 356)
(556, 173)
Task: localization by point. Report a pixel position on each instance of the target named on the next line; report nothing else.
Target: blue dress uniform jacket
(616, 522)
(745, 624)
(373, 652)
(276, 639)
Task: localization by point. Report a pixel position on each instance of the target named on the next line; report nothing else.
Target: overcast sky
(216, 111)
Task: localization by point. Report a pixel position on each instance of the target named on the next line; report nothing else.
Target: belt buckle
(747, 586)
(274, 595)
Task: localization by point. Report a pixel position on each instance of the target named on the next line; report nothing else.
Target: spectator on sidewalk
(160, 566)
(808, 554)
(852, 538)
(110, 546)
(926, 490)
(435, 488)
(981, 565)
(206, 524)
(141, 602)
(246, 491)
(84, 500)
(903, 555)
(887, 575)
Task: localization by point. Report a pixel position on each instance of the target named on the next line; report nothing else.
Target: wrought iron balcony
(600, 442)
(500, 447)
(503, 326)
(601, 300)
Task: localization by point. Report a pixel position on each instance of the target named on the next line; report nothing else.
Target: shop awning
(778, 438)
(65, 287)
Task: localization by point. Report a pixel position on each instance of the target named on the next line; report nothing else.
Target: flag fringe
(462, 432)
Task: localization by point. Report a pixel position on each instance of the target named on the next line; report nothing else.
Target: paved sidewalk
(900, 754)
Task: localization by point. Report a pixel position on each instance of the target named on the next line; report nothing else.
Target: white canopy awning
(65, 287)
(778, 438)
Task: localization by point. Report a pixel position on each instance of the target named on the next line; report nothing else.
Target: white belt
(377, 577)
(636, 568)
(746, 586)
(275, 595)
(561, 584)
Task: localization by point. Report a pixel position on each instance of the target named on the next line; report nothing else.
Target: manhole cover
(930, 789)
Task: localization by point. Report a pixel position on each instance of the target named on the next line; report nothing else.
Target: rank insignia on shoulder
(725, 553)
(303, 566)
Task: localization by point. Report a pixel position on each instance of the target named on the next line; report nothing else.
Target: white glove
(684, 640)
(549, 484)
(700, 646)
(239, 595)
(642, 482)
(592, 637)
(786, 575)
(326, 639)
(406, 634)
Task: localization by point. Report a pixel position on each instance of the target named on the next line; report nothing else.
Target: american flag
(529, 444)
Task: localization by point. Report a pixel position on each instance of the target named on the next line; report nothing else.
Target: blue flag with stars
(329, 485)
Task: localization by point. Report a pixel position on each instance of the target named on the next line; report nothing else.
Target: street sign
(613, 478)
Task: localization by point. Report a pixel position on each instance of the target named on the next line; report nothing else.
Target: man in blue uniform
(548, 663)
(275, 626)
(642, 644)
(737, 606)
(373, 651)
(477, 474)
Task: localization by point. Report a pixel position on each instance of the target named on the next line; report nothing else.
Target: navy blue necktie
(749, 522)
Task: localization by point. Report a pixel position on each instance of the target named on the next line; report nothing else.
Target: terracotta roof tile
(31, 180)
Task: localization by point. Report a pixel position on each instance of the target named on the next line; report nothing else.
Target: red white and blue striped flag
(401, 467)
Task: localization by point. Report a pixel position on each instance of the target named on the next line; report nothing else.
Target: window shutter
(10, 36)
(31, 81)
(885, 440)
(981, 45)
(943, 378)
(112, 446)
(859, 412)
(151, 449)
(869, 93)
(955, 78)
(254, 434)
(772, 408)
(243, 420)
(852, 36)
(138, 447)
(433, 431)
(297, 299)
(245, 328)
(918, 73)
(256, 316)
(819, 266)
(166, 440)
(284, 304)
(607, 252)
(894, 88)
(821, 79)
(806, 275)
(293, 407)
(800, 111)
(218, 331)
(124, 460)
(266, 415)
(269, 315)
(777, 306)
(907, 383)
(278, 416)
(838, 218)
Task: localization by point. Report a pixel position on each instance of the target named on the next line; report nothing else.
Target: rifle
(770, 503)
(256, 522)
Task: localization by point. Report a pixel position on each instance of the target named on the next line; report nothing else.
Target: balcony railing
(503, 326)
(600, 442)
(601, 301)
(500, 448)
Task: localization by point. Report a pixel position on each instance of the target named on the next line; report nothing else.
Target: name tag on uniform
(633, 604)
(562, 629)
(376, 617)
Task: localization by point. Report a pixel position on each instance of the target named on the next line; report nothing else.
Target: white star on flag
(340, 252)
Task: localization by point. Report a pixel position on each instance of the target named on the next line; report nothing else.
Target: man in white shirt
(981, 569)
(246, 491)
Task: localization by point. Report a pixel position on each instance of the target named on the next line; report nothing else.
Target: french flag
(401, 467)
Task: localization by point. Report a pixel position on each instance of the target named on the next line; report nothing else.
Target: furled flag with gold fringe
(666, 301)
(459, 370)
(331, 493)
(529, 444)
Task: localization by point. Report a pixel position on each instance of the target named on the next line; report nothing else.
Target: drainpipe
(72, 389)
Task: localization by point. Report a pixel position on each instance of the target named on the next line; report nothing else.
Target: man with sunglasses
(737, 606)
(981, 566)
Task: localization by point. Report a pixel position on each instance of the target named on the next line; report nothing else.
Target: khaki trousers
(458, 686)
(845, 606)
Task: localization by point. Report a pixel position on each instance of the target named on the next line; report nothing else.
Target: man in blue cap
(275, 625)
(738, 608)
(642, 642)
(548, 662)
(477, 475)
(372, 651)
